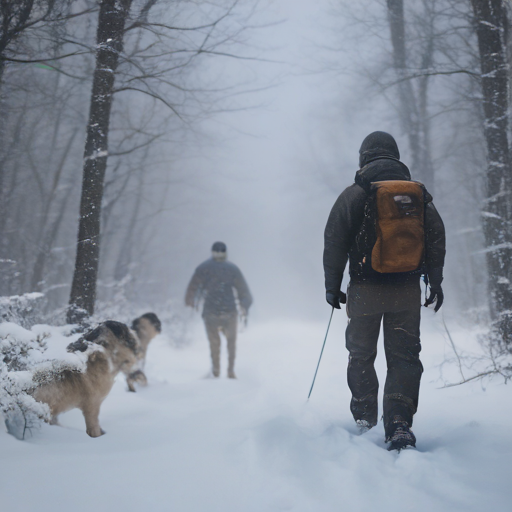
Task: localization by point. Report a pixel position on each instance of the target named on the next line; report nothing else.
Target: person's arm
(193, 289)
(342, 226)
(434, 254)
(242, 291)
(435, 238)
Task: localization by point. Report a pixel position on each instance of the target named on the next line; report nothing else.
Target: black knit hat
(219, 247)
(378, 145)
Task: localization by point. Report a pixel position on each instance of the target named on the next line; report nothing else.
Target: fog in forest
(136, 133)
(264, 179)
(244, 128)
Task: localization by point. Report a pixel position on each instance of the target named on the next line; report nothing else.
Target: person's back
(375, 296)
(216, 281)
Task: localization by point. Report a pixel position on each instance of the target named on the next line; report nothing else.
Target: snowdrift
(187, 443)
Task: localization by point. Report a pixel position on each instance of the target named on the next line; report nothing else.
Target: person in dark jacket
(216, 280)
(393, 299)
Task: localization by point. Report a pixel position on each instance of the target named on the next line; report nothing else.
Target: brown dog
(110, 348)
(146, 327)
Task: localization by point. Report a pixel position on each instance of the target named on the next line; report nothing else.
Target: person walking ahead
(215, 281)
(388, 228)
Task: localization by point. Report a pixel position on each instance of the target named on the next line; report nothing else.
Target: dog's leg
(54, 420)
(91, 412)
(130, 381)
(138, 377)
(142, 379)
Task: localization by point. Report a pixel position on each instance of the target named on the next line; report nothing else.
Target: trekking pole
(320, 358)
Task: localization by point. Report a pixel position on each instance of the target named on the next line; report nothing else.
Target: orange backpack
(399, 226)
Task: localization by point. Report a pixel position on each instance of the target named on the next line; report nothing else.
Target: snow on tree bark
(111, 23)
(490, 23)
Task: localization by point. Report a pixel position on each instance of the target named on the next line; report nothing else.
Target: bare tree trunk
(49, 234)
(508, 44)
(10, 274)
(413, 112)
(490, 19)
(111, 22)
(125, 256)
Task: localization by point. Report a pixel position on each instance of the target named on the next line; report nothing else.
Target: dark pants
(398, 308)
(227, 324)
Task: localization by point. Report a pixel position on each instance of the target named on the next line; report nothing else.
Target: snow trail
(188, 443)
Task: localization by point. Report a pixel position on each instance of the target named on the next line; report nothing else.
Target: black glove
(335, 299)
(435, 277)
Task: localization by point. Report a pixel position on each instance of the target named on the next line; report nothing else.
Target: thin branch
(475, 377)
(453, 346)
(146, 25)
(41, 61)
(135, 148)
(240, 57)
(153, 95)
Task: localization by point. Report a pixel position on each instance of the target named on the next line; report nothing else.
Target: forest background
(230, 123)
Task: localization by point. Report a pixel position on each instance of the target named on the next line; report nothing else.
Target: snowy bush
(20, 351)
(25, 310)
(17, 354)
(20, 410)
(490, 357)
(498, 355)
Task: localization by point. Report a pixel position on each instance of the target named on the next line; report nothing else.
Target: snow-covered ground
(187, 443)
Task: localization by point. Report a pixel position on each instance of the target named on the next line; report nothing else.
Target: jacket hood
(381, 169)
(378, 145)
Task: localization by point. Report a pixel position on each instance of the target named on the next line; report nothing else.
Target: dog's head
(147, 327)
(119, 343)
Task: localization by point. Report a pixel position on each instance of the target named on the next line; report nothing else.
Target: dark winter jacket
(214, 281)
(346, 218)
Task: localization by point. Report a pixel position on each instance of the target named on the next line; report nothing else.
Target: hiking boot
(402, 436)
(364, 426)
